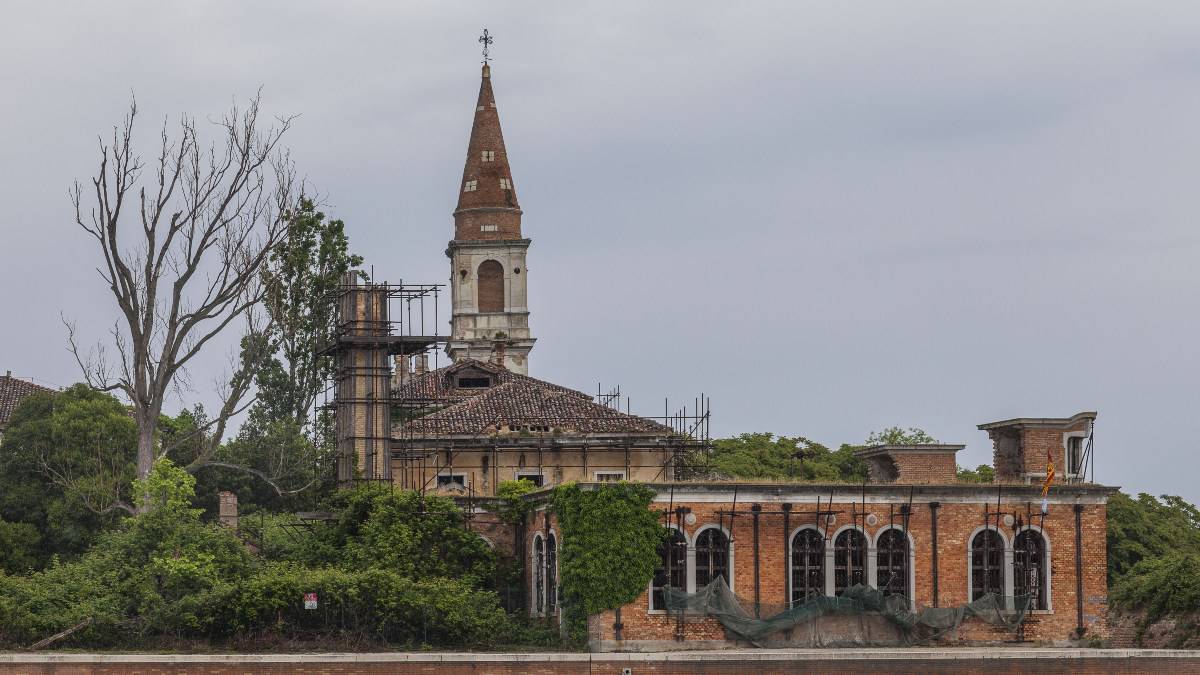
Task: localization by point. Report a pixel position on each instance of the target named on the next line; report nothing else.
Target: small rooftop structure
(911, 464)
(1023, 446)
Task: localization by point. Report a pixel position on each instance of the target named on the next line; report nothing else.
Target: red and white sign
(310, 601)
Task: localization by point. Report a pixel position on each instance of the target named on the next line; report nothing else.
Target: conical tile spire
(487, 198)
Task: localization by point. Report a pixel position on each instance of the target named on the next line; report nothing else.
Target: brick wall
(957, 522)
(919, 662)
(925, 467)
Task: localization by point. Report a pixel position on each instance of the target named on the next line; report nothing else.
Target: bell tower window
(489, 155)
(491, 287)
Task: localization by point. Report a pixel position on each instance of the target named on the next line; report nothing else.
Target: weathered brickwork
(916, 662)
(960, 513)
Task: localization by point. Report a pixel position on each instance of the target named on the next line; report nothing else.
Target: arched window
(539, 575)
(849, 560)
(808, 564)
(891, 558)
(671, 570)
(1030, 569)
(491, 286)
(987, 564)
(712, 557)
(551, 574)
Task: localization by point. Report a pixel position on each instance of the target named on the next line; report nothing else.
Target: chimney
(402, 372)
(422, 364)
(497, 353)
(227, 513)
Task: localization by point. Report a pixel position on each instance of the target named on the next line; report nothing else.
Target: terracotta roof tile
(12, 392)
(517, 404)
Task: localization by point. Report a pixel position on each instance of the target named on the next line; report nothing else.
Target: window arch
(491, 286)
(987, 564)
(538, 604)
(1031, 573)
(712, 557)
(891, 562)
(849, 560)
(551, 574)
(808, 564)
(671, 569)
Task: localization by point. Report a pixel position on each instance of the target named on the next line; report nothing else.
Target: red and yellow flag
(1049, 474)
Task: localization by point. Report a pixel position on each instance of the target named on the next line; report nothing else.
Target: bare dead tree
(182, 254)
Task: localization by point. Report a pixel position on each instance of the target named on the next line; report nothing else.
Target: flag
(1049, 474)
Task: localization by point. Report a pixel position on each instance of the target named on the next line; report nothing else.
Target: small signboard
(310, 601)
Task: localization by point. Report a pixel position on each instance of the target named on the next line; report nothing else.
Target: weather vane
(486, 40)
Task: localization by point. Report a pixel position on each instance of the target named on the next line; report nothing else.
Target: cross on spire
(486, 40)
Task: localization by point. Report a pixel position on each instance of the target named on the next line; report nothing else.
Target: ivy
(608, 548)
(513, 507)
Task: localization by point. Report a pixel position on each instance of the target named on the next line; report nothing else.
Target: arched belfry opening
(491, 286)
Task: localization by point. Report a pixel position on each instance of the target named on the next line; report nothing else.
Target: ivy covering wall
(608, 548)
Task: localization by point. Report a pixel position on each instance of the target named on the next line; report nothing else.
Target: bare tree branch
(208, 218)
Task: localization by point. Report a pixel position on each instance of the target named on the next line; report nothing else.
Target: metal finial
(486, 40)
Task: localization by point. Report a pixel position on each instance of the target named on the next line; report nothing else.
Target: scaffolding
(385, 344)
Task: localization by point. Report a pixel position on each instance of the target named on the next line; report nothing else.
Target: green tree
(984, 473)
(66, 466)
(301, 279)
(899, 436)
(765, 456)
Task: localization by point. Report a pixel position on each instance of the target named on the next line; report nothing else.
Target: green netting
(861, 616)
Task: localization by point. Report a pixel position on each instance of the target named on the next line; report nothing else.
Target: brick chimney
(911, 464)
(227, 513)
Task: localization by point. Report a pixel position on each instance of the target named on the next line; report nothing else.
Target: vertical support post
(933, 511)
(787, 561)
(755, 510)
(1079, 571)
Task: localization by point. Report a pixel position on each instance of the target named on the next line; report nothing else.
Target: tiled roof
(12, 392)
(518, 404)
(441, 386)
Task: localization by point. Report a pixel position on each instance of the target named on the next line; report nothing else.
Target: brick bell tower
(490, 316)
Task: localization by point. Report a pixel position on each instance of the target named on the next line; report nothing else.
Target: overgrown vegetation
(382, 575)
(608, 548)
(1154, 559)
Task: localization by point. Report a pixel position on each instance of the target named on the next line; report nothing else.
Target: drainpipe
(1079, 571)
(755, 509)
(933, 511)
(787, 575)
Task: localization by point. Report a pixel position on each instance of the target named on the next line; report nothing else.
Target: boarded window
(491, 287)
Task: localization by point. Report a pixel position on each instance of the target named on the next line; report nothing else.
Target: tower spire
(487, 198)
(490, 318)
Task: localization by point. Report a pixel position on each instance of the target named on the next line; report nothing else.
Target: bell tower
(490, 315)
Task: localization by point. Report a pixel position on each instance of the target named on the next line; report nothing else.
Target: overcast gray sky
(831, 217)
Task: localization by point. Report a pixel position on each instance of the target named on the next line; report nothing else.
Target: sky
(830, 218)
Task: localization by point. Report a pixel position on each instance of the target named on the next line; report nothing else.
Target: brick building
(913, 531)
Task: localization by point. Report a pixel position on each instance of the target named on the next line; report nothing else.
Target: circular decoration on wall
(1008, 520)
(831, 519)
(872, 519)
(690, 519)
(516, 270)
